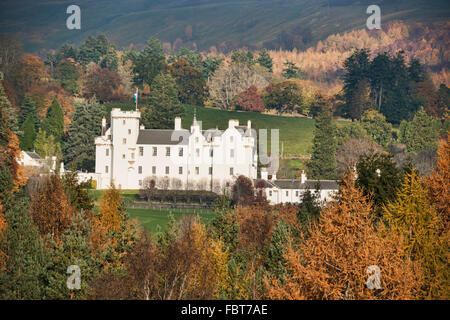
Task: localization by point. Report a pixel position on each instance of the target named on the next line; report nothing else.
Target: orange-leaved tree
(415, 219)
(51, 210)
(438, 183)
(342, 251)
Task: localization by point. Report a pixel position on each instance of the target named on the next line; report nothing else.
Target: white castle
(127, 154)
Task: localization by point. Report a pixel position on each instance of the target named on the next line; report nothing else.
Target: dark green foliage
(291, 71)
(195, 60)
(98, 50)
(68, 75)
(163, 104)
(322, 164)
(309, 211)
(392, 84)
(377, 128)
(210, 65)
(6, 183)
(79, 147)
(24, 277)
(74, 249)
(78, 193)
(149, 63)
(265, 60)
(352, 130)
(54, 121)
(275, 261)
(225, 227)
(243, 57)
(29, 108)
(285, 96)
(379, 177)
(29, 134)
(421, 134)
(190, 82)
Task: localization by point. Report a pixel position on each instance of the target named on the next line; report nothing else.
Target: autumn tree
(414, 218)
(328, 265)
(438, 183)
(284, 96)
(349, 153)
(243, 192)
(51, 210)
(101, 83)
(250, 100)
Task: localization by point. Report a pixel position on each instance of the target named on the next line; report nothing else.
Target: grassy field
(154, 219)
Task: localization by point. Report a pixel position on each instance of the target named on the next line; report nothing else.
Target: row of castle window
(180, 170)
(180, 152)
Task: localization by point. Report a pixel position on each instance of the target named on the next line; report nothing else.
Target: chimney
(303, 177)
(103, 126)
(177, 123)
(264, 174)
(249, 124)
(233, 123)
(142, 127)
(273, 176)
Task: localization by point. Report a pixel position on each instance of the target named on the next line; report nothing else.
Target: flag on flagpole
(136, 96)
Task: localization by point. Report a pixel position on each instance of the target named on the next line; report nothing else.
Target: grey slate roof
(33, 155)
(159, 136)
(309, 184)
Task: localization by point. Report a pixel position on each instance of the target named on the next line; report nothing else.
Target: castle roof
(297, 184)
(161, 136)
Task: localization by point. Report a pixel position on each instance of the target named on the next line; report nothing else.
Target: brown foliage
(103, 83)
(51, 210)
(250, 100)
(438, 183)
(332, 263)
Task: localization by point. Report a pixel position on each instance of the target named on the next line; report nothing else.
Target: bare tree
(348, 154)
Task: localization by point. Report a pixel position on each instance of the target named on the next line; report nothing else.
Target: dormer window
(123, 121)
(129, 131)
(231, 139)
(196, 139)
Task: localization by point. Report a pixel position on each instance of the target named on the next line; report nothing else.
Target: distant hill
(225, 24)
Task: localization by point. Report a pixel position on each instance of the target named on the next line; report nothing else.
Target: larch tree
(438, 183)
(414, 218)
(343, 250)
(51, 210)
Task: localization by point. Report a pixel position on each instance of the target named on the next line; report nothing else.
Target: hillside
(225, 24)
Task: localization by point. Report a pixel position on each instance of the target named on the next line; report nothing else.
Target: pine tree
(413, 217)
(28, 108)
(377, 127)
(54, 121)
(79, 147)
(29, 134)
(265, 60)
(163, 103)
(323, 160)
(24, 273)
(291, 71)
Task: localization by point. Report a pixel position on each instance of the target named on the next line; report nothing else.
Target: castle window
(210, 170)
(196, 139)
(124, 141)
(167, 170)
(270, 193)
(296, 193)
(231, 139)
(180, 170)
(153, 170)
(140, 183)
(232, 153)
(211, 153)
(197, 170)
(287, 193)
(180, 152)
(140, 169)
(107, 152)
(231, 171)
(155, 151)
(129, 131)
(124, 121)
(197, 151)
(167, 151)
(106, 169)
(123, 156)
(132, 155)
(141, 151)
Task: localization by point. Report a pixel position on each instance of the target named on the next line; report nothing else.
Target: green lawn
(150, 219)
